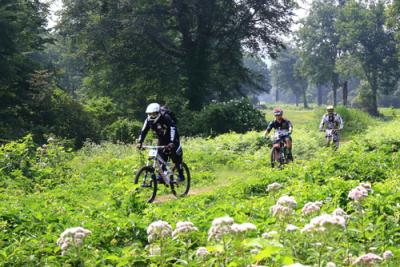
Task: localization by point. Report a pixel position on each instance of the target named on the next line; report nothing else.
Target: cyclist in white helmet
(332, 121)
(165, 129)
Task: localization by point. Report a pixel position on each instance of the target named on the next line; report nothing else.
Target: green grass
(93, 188)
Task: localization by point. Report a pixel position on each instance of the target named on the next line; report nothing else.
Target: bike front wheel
(275, 157)
(146, 180)
(180, 185)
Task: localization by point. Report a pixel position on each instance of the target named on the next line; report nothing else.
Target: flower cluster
(244, 227)
(369, 259)
(287, 201)
(291, 228)
(387, 255)
(283, 207)
(270, 234)
(72, 237)
(339, 212)
(225, 225)
(311, 207)
(202, 252)
(321, 223)
(274, 187)
(158, 230)
(183, 228)
(360, 192)
(220, 227)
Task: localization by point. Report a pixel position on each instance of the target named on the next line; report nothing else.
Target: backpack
(165, 110)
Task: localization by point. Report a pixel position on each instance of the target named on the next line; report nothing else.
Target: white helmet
(153, 111)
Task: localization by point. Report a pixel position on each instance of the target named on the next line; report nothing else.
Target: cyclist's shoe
(181, 177)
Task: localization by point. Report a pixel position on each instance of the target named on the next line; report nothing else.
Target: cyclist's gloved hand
(170, 146)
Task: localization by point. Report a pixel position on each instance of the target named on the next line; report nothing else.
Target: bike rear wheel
(146, 180)
(180, 188)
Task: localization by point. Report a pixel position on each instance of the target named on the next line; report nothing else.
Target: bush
(237, 115)
(122, 131)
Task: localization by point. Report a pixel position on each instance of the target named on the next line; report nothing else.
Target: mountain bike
(157, 171)
(281, 151)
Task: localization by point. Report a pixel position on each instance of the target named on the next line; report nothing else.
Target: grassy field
(47, 190)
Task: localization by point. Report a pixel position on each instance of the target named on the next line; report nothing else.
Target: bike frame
(158, 162)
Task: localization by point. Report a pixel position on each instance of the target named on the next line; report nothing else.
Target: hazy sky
(54, 7)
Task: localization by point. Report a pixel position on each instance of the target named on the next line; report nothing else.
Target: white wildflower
(270, 234)
(201, 252)
(72, 237)
(183, 228)
(220, 227)
(287, 202)
(291, 228)
(244, 227)
(322, 222)
(387, 254)
(369, 259)
(311, 207)
(280, 211)
(274, 187)
(358, 193)
(366, 186)
(158, 230)
(339, 212)
(330, 264)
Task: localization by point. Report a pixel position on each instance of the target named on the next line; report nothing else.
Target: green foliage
(363, 33)
(93, 188)
(122, 130)
(235, 115)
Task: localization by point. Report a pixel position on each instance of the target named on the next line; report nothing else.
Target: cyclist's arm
(269, 128)
(172, 125)
(144, 131)
(290, 129)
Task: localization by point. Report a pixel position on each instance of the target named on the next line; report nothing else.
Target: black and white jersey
(164, 127)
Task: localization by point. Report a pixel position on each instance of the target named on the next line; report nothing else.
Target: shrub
(217, 118)
(122, 131)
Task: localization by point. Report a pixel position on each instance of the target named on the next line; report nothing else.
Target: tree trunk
(297, 100)
(373, 109)
(345, 92)
(335, 85)
(319, 95)
(305, 98)
(276, 95)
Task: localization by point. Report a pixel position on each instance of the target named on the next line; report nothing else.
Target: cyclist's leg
(288, 142)
(177, 158)
(336, 140)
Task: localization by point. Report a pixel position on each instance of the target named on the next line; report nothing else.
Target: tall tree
(177, 47)
(318, 42)
(286, 75)
(22, 33)
(363, 33)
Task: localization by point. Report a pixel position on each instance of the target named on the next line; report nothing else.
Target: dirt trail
(192, 192)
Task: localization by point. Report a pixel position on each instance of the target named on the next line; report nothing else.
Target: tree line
(342, 42)
(94, 73)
